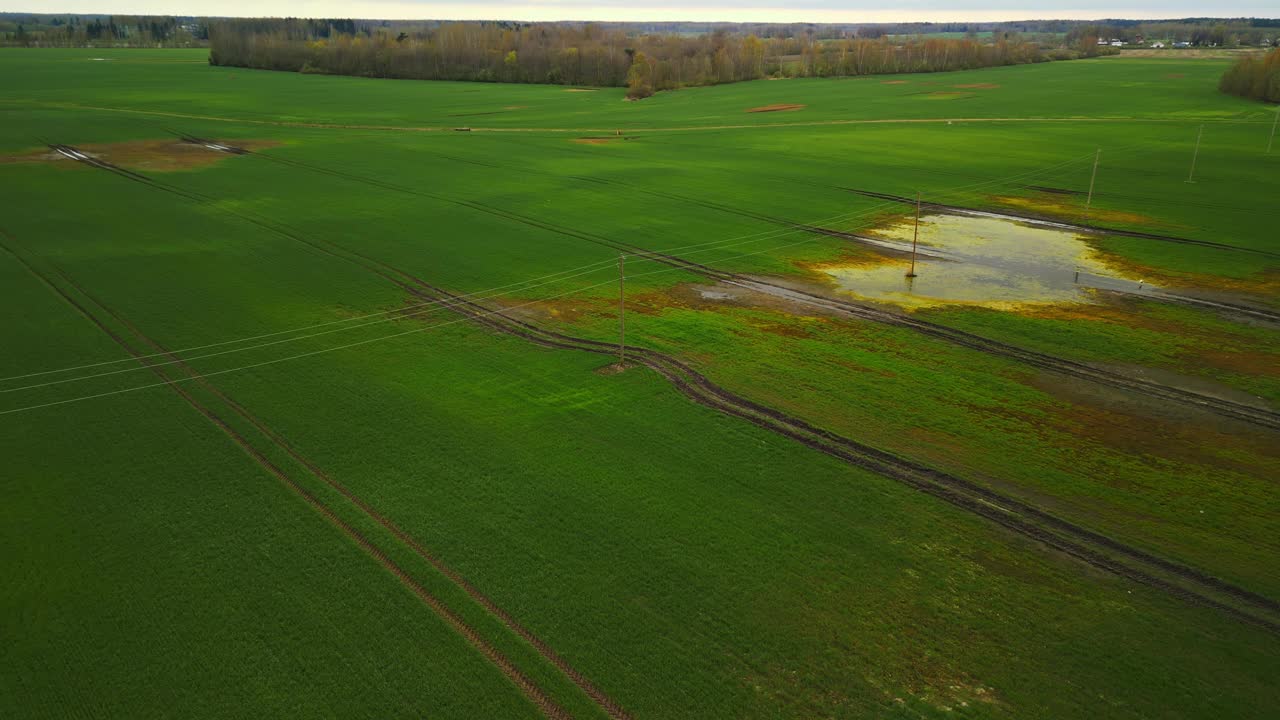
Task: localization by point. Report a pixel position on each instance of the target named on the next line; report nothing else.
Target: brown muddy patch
(153, 155)
(777, 107)
(1173, 76)
(686, 296)
(1199, 346)
(613, 368)
(1146, 428)
(581, 90)
(894, 82)
(599, 139)
(977, 86)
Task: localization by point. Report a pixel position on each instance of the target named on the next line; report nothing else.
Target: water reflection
(984, 261)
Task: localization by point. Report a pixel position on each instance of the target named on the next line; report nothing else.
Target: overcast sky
(728, 10)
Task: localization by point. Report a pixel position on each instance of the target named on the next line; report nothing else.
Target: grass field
(352, 501)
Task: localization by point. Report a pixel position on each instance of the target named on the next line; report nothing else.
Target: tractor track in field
(1088, 546)
(1008, 512)
(795, 428)
(1221, 406)
(611, 707)
(534, 693)
(1165, 297)
(1226, 408)
(1090, 229)
(615, 128)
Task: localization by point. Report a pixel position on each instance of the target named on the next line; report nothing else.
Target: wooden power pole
(1089, 202)
(915, 238)
(1191, 176)
(622, 311)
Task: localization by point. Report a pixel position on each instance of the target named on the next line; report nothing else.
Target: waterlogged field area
(311, 401)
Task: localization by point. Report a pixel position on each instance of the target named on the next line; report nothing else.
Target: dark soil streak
(535, 694)
(1011, 513)
(951, 489)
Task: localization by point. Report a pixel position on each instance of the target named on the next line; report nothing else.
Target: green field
(355, 503)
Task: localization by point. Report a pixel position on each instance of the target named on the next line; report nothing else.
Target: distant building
(1117, 43)
(1157, 44)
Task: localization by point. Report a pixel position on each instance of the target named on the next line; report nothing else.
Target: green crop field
(316, 428)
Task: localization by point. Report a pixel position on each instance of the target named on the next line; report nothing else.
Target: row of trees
(1254, 76)
(572, 54)
(103, 31)
(1203, 32)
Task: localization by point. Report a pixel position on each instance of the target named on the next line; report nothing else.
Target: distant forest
(1254, 76)
(559, 53)
(644, 57)
(28, 30)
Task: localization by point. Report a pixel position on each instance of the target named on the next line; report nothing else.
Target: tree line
(596, 55)
(1204, 32)
(102, 31)
(1254, 76)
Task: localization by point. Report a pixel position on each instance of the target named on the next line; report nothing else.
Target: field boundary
(644, 129)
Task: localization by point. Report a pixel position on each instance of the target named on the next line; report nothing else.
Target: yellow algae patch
(1061, 206)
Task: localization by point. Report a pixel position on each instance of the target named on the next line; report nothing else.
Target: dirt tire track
(532, 692)
(1220, 406)
(684, 128)
(611, 707)
(1246, 413)
(1004, 510)
(975, 342)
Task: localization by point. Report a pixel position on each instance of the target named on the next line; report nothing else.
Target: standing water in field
(981, 261)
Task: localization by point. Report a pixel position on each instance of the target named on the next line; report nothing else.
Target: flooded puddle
(981, 261)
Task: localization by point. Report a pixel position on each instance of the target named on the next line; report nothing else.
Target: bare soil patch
(600, 139)
(613, 368)
(580, 90)
(1174, 76)
(894, 82)
(153, 155)
(777, 107)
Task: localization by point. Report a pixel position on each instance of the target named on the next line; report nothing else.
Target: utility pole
(1275, 122)
(1191, 176)
(1089, 202)
(622, 312)
(915, 238)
